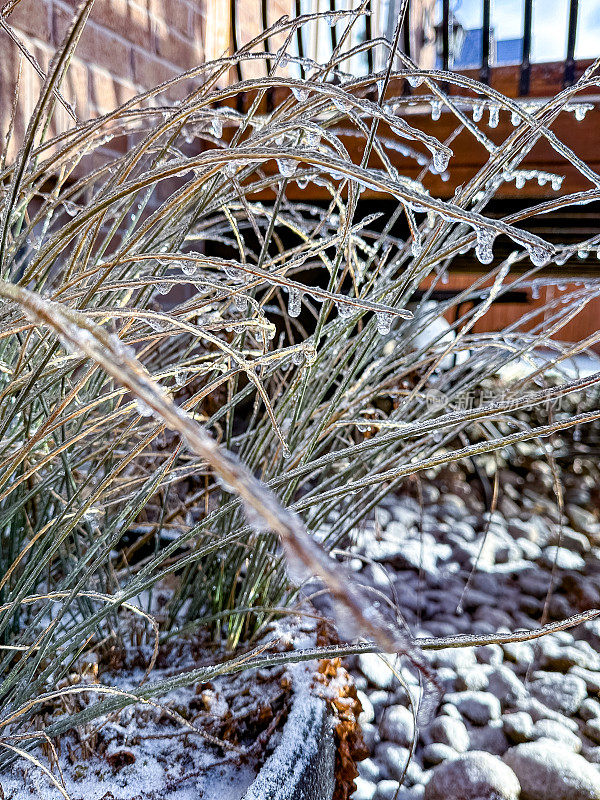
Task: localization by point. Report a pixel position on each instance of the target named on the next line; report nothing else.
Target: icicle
(519, 181)
(478, 112)
(383, 321)
(441, 158)
(515, 118)
(416, 247)
(287, 166)
(484, 249)
(414, 80)
(494, 116)
(436, 110)
(294, 301)
(580, 112)
(302, 182)
(216, 127)
(557, 182)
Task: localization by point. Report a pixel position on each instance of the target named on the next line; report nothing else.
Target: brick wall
(127, 46)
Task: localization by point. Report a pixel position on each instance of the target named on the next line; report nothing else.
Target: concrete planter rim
(303, 763)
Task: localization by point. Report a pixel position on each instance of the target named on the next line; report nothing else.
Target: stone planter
(302, 765)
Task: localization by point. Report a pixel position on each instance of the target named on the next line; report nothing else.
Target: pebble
(521, 707)
(548, 771)
(565, 559)
(450, 732)
(395, 759)
(397, 725)
(490, 738)
(551, 729)
(365, 789)
(505, 686)
(589, 709)
(436, 752)
(375, 670)
(473, 776)
(518, 727)
(563, 693)
(478, 707)
(592, 729)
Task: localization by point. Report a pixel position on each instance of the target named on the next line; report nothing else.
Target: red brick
(32, 17)
(175, 13)
(106, 92)
(180, 52)
(97, 45)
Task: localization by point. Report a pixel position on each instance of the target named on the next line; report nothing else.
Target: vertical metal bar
(234, 39)
(332, 29)
(445, 34)
(265, 24)
(264, 17)
(525, 76)
(369, 36)
(484, 72)
(299, 35)
(570, 61)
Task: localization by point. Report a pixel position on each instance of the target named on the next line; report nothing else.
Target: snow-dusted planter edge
(302, 765)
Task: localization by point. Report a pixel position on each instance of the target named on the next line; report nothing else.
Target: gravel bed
(521, 720)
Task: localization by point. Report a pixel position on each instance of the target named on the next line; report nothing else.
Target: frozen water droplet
(298, 358)
(70, 208)
(484, 249)
(478, 112)
(583, 253)
(143, 408)
(188, 267)
(416, 247)
(440, 160)
(180, 377)
(494, 116)
(557, 182)
(294, 301)
(241, 302)
(300, 94)
(312, 137)
(345, 310)
(515, 118)
(539, 256)
(519, 181)
(216, 127)
(163, 288)
(436, 110)
(286, 451)
(287, 166)
(580, 112)
(414, 80)
(233, 274)
(302, 182)
(383, 321)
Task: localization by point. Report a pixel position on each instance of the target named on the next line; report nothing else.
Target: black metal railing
(444, 34)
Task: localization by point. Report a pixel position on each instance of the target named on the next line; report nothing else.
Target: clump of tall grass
(201, 378)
